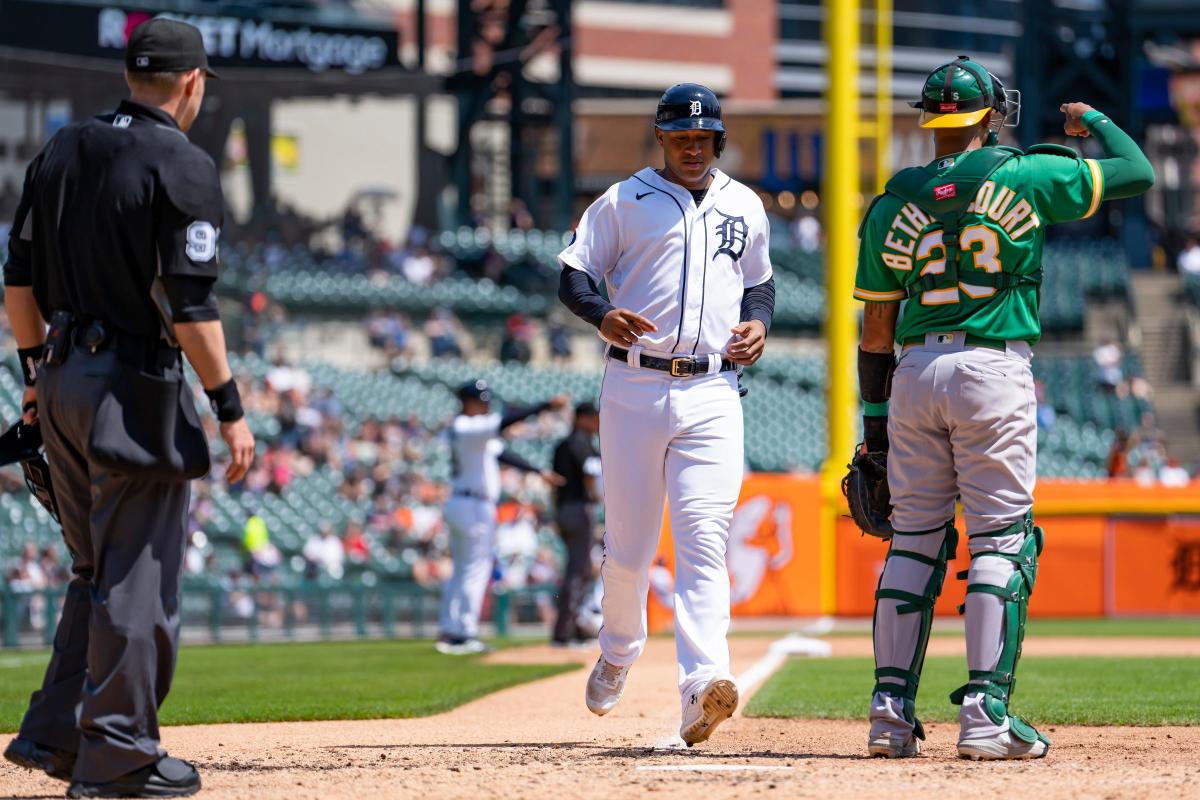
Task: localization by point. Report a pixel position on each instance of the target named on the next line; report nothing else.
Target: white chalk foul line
(712, 768)
(791, 645)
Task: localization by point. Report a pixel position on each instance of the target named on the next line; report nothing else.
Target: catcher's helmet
(960, 94)
(691, 107)
(475, 390)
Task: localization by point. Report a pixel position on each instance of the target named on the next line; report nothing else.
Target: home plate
(712, 768)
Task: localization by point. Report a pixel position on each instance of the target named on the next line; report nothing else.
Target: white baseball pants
(472, 528)
(680, 440)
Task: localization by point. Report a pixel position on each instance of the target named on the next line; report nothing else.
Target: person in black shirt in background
(115, 244)
(578, 462)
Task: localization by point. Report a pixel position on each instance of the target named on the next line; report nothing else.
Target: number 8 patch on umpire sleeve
(201, 241)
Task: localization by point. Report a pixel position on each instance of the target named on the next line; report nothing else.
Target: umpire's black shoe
(168, 777)
(50, 760)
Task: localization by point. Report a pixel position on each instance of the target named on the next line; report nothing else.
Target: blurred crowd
(383, 469)
(446, 336)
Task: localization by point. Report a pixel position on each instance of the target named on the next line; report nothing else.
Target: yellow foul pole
(840, 193)
(883, 93)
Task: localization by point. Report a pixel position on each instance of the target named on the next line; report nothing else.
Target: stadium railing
(306, 611)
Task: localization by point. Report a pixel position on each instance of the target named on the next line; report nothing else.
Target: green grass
(1067, 691)
(948, 626)
(327, 680)
(1114, 627)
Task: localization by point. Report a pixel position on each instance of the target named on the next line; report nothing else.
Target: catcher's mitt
(866, 489)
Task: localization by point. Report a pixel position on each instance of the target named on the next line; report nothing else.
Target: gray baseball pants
(115, 647)
(961, 424)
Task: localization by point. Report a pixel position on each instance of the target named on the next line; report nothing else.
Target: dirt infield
(538, 740)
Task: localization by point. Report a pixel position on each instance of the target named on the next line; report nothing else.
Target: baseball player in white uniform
(683, 251)
(477, 452)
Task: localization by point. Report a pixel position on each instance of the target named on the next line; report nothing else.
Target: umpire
(578, 462)
(115, 245)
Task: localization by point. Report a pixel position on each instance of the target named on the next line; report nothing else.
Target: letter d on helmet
(691, 107)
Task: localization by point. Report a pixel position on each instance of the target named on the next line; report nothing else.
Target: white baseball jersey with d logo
(683, 266)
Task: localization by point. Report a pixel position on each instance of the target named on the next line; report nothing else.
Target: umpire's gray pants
(575, 528)
(114, 651)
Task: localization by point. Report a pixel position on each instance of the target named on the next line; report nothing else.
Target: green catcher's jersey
(1002, 230)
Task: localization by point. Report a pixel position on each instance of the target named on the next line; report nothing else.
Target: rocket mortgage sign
(101, 31)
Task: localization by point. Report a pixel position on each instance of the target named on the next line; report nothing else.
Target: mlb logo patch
(946, 163)
(945, 338)
(947, 108)
(943, 192)
(143, 61)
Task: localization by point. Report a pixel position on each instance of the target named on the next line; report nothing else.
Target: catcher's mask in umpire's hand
(23, 443)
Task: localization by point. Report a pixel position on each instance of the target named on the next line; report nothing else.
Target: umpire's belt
(679, 366)
(139, 352)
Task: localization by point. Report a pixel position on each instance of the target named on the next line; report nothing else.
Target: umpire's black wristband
(875, 434)
(31, 362)
(226, 402)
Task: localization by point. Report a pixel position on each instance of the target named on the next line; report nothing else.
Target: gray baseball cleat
(605, 686)
(1003, 746)
(885, 745)
(706, 709)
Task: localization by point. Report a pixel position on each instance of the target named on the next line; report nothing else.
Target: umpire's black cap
(475, 390)
(166, 45)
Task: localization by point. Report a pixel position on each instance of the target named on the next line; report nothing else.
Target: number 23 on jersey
(984, 246)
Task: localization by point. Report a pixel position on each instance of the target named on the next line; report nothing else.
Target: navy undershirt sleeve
(578, 292)
(511, 459)
(514, 414)
(758, 302)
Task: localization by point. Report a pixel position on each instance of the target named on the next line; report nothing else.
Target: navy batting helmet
(691, 107)
(475, 390)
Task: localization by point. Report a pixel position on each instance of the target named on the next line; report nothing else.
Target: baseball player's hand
(559, 402)
(29, 405)
(240, 442)
(1074, 124)
(749, 342)
(553, 478)
(622, 326)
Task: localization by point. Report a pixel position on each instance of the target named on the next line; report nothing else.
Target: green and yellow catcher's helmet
(961, 93)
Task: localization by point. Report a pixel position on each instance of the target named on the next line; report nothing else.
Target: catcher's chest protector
(946, 198)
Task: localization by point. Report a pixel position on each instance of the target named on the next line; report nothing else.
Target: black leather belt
(140, 352)
(470, 494)
(679, 367)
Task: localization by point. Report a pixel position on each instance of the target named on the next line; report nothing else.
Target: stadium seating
(1076, 270)
(785, 409)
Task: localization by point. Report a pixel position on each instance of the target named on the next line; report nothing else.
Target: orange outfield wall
(1137, 561)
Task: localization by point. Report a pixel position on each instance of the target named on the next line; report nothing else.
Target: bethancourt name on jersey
(994, 200)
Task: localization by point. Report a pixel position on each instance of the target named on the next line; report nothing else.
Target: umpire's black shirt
(570, 461)
(110, 205)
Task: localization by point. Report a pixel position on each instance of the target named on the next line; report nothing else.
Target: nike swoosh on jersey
(640, 196)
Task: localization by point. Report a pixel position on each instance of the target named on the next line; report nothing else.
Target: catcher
(959, 242)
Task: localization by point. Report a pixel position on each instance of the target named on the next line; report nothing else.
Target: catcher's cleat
(887, 746)
(1003, 746)
(706, 709)
(605, 686)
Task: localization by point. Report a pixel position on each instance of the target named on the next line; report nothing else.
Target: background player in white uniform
(477, 452)
(684, 254)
